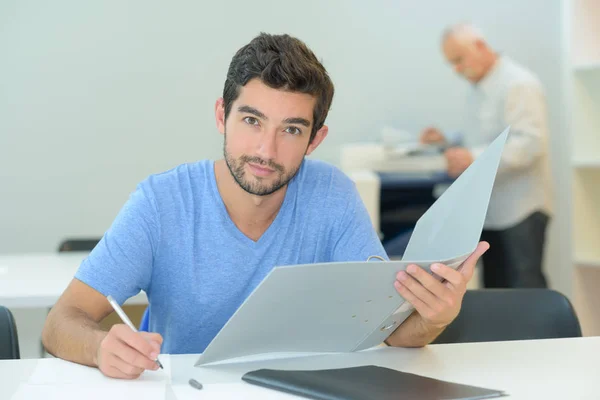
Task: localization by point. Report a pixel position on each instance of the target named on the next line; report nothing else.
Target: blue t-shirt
(175, 240)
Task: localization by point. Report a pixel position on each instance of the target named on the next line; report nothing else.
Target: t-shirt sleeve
(356, 238)
(121, 264)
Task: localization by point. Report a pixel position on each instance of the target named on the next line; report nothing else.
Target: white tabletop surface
(537, 369)
(37, 280)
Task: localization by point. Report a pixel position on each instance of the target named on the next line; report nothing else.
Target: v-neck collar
(279, 220)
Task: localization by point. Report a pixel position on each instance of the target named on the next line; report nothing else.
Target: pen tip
(159, 364)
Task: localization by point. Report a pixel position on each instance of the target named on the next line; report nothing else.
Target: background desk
(30, 284)
(396, 200)
(404, 197)
(538, 369)
(38, 280)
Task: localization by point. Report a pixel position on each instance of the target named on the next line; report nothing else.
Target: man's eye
(251, 121)
(293, 130)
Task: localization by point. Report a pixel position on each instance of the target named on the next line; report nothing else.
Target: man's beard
(255, 185)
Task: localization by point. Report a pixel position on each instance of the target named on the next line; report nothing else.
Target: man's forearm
(72, 335)
(413, 333)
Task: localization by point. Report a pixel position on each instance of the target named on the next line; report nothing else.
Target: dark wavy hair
(280, 62)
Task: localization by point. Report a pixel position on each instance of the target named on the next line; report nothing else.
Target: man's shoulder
(519, 76)
(180, 179)
(324, 176)
(325, 190)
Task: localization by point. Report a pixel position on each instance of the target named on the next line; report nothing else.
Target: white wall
(94, 96)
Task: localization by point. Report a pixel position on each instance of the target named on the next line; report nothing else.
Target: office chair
(9, 339)
(78, 244)
(396, 246)
(489, 315)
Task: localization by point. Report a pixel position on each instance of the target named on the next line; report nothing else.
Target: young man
(199, 238)
(504, 93)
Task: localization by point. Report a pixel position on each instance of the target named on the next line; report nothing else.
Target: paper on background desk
(343, 307)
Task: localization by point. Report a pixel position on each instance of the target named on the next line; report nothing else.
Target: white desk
(369, 189)
(38, 280)
(541, 369)
(32, 283)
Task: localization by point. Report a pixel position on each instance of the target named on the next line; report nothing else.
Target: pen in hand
(126, 320)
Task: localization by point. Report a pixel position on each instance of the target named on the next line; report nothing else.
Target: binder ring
(385, 328)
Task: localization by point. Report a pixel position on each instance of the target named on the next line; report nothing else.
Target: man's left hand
(458, 159)
(436, 302)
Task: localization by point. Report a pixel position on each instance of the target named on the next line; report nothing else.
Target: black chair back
(78, 244)
(489, 315)
(9, 340)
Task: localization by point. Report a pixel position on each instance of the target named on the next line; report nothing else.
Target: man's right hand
(432, 135)
(125, 354)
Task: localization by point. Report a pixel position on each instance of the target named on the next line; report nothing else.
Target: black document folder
(365, 383)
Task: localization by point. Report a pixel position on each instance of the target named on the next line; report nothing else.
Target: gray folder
(350, 306)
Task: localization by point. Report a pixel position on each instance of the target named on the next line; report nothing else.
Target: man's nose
(267, 146)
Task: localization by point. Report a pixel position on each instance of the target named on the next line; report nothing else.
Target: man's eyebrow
(253, 111)
(297, 120)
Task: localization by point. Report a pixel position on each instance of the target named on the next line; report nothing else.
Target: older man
(503, 93)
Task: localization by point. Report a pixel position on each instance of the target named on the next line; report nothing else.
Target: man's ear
(319, 137)
(220, 114)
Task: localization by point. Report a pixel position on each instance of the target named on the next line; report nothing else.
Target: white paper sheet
(57, 371)
(116, 390)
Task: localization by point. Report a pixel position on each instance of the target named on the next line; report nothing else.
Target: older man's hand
(438, 302)
(458, 159)
(432, 135)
